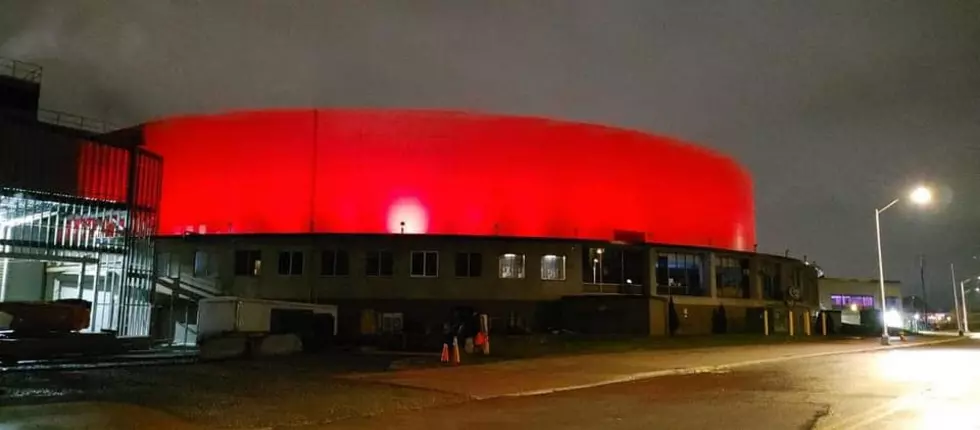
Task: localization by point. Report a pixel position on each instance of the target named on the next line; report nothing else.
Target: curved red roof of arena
(453, 173)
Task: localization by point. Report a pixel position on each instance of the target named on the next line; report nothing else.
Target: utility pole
(922, 279)
(956, 301)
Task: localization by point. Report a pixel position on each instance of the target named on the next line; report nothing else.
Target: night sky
(835, 106)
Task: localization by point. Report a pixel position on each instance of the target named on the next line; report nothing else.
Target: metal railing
(21, 70)
(70, 120)
(611, 288)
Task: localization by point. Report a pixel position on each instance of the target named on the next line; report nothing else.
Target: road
(913, 388)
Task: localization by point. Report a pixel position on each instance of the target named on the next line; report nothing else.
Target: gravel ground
(289, 391)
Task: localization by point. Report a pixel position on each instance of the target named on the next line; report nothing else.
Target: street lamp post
(956, 301)
(920, 195)
(966, 323)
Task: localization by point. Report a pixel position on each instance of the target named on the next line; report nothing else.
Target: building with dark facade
(404, 217)
(78, 209)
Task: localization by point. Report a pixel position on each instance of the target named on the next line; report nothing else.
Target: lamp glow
(893, 319)
(921, 195)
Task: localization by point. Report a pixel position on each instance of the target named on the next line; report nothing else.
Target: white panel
(215, 317)
(253, 316)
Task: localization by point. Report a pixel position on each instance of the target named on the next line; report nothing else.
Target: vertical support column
(650, 283)
(94, 320)
(4, 267)
(710, 270)
(171, 328)
(806, 323)
(174, 295)
(823, 322)
(154, 279)
(765, 322)
(113, 312)
(186, 318)
(81, 281)
(755, 277)
(791, 331)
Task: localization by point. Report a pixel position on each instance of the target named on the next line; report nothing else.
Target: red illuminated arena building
(399, 218)
(402, 218)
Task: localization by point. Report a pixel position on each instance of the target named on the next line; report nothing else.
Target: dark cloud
(836, 106)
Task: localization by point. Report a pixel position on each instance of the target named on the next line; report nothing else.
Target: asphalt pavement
(927, 387)
(918, 387)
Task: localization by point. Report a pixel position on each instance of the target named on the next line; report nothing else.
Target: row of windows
(676, 272)
(843, 301)
(423, 264)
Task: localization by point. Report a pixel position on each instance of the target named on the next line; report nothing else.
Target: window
(892, 302)
(203, 266)
(845, 301)
(598, 260)
(511, 266)
(679, 273)
(731, 277)
(248, 263)
(772, 281)
(614, 265)
(290, 263)
(469, 265)
(392, 323)
(425, 264)
(166, 266)
(379, 263)
(553, 267)
(334, 263)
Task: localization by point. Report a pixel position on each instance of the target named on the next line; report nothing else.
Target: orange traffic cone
(483, 341)
(445, 353)
(455, 352)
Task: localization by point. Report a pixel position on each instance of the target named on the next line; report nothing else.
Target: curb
(705, 369)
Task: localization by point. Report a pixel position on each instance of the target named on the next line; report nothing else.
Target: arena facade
(406, 217)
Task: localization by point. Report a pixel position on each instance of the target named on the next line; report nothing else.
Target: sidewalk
(548, 375)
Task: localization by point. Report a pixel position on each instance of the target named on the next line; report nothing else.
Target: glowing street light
(920, 196)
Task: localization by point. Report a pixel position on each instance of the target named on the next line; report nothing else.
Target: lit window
(334, 263)
(379, 263)
(425, 264)
(553, 267)
(680, 273)
(845, 301)
(511, 266)
(290, 263)
(248, 263)
(469, 265)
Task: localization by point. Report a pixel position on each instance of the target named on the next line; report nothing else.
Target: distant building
(858, 294)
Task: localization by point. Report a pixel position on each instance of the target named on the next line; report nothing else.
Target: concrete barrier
(217, 348)
(5, 320)
(278, 344)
